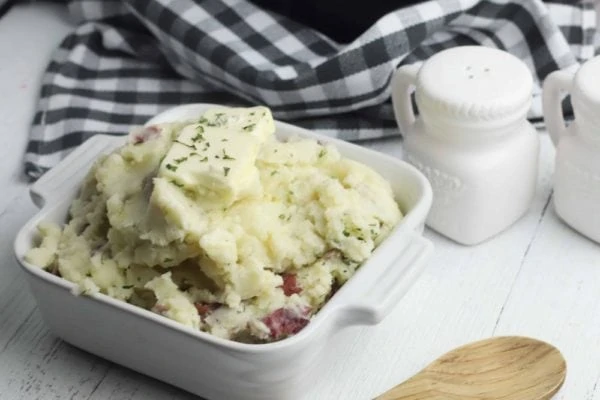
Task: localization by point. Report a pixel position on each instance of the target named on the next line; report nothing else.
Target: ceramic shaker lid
(585, 95)
(474, 84)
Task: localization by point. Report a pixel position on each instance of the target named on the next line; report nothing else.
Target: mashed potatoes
(217, 225)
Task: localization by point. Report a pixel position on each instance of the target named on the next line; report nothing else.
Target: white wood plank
(124, 384)
(556, 297)
(16, 303)
(45, 367)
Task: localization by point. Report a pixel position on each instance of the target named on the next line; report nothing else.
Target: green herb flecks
(322, 153)
(227, 156)
(249, 128)
(171, 167)
(199, 134)
(226, 170)
(180, 160)
(220, 120)
(179, 185)
(127, 286)
(202, 159)
(185, 144)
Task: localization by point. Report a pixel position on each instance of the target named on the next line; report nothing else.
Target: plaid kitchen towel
(129, 59)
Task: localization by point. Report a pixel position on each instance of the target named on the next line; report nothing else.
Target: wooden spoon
(507, 368)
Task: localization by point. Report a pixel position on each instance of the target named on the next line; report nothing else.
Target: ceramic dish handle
(67, 174)
(383, 293)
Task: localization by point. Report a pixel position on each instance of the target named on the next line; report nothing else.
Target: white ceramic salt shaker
(471, 138)
(577, 168)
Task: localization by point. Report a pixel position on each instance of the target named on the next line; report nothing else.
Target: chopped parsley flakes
(185, 144)
(180, 160)
(220, 120)
(227, 156)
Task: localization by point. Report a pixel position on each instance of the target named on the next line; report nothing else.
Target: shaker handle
(555, 86)
(403, 84)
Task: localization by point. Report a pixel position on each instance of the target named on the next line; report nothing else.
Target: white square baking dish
(199, 362)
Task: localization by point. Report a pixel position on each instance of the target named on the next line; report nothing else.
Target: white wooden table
(539, 278)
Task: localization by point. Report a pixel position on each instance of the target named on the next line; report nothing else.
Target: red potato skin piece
(146, 134)
(290, 284)
(204, 309)
(283, 322)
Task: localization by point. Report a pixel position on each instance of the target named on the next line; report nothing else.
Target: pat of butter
(214, 159)
(255, 121)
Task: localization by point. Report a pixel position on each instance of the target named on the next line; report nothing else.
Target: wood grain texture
(507, 368)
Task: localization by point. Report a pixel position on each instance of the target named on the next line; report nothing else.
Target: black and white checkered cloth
(129, 59)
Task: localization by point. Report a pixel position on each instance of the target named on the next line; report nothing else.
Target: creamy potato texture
(216, 224)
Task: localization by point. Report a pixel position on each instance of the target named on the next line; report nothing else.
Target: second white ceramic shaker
(471, 138)
(577, 169)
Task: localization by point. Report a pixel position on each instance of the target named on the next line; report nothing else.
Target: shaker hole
(470, 76)
(468, 68)
(486, 70)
